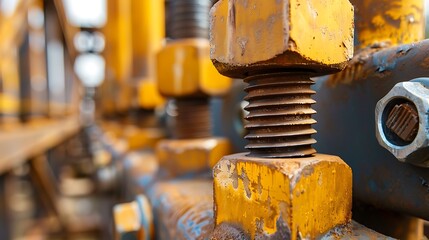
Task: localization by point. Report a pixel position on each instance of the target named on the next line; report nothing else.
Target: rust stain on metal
(381, 61)
(403, 120)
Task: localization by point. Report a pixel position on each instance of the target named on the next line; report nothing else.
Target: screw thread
(189, 18)
(279, 121)
(193, 119)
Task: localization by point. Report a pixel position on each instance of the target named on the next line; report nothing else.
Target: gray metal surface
(345, 115)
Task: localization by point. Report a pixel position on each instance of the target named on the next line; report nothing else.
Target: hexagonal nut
(417, 151)
(289, 198)
(134, 220)
(127, 221)
(180, 157)
(255, 35)
(140, 138)
(184, 69)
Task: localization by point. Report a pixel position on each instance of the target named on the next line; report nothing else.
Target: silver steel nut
(414, 92)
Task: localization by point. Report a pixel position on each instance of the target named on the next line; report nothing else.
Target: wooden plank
(27, 141)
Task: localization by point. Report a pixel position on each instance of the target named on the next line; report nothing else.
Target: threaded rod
(280, 115)
(189, 18)
(193, 118)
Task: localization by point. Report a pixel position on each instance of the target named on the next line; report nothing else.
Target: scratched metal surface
(346, 127)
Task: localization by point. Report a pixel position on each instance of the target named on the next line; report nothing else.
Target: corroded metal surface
(353, 231)
(342, 101)
(286, 197)
(254, 35)
(183, 209)
(279, 120)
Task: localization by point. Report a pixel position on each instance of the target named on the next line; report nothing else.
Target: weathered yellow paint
(308, 195)
(138, 138)
(389, 21)
(185, 69)
(191, 155)
(149, 96)
(127, 221)
(284, 32)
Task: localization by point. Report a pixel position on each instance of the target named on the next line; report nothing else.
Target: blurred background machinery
(119, 119)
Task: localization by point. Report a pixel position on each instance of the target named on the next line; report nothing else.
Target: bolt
(280, 115)
(403, 121)
(190, 19)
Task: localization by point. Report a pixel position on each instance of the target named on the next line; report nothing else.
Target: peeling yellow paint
(308, 195)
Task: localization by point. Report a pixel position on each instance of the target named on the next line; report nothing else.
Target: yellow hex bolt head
(253, 35)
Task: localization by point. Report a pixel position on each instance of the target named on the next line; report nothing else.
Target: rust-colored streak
(403, 120)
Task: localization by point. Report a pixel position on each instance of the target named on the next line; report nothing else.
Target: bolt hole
(400, 121)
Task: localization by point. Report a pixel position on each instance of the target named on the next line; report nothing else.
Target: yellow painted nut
(127, 221)
(184, 69)
(148, 95)
(146, 220)
(283, 198)
(247, 36)
(179, 157)
(138, 138)
(134, 220)
(393, 22)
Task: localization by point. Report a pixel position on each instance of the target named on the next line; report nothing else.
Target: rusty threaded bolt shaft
(193, 118)
(280, 115)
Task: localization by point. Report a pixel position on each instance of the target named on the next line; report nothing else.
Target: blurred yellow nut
(138, 138)
(127, 221)
(148, 95)
(184, 69)
(180, 157)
